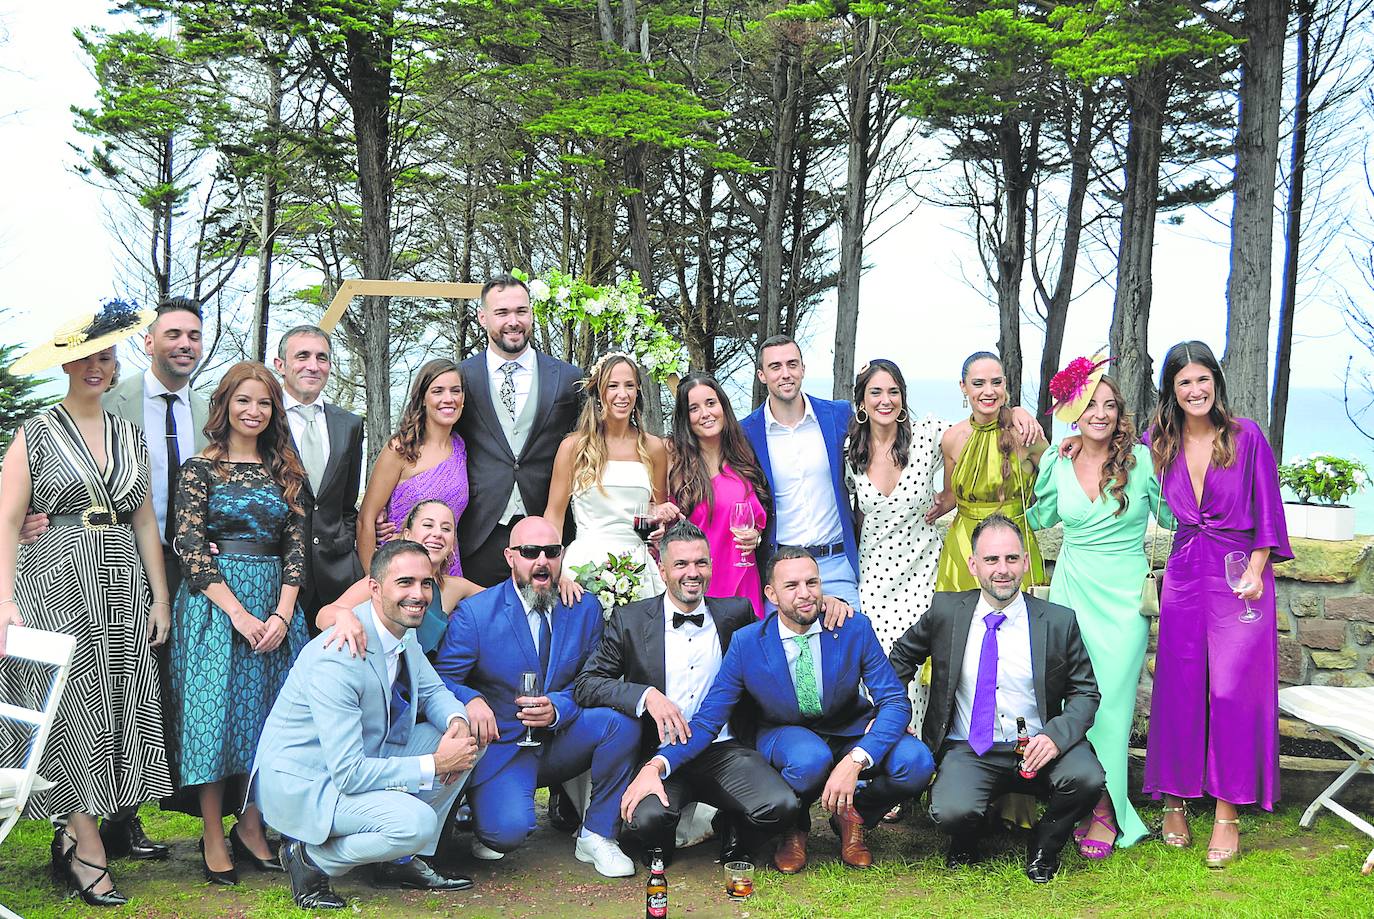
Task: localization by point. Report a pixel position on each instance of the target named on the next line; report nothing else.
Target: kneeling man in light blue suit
(361, 758)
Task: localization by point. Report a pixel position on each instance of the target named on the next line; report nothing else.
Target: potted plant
(1321, 482)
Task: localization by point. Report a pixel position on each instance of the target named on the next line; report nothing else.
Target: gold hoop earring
(864, 419)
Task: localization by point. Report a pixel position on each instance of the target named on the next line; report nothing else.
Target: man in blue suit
(517, 626)
(361, 757)
(811, 508)
(816, 724)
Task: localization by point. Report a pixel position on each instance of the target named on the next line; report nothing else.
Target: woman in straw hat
(1104, 497)
(96, 573)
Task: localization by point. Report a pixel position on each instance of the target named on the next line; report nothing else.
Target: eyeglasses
(533, 552)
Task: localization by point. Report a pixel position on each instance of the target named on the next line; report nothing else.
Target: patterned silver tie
(312, 445)
(508, 387)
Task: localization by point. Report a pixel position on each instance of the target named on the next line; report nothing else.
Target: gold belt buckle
(88, 518)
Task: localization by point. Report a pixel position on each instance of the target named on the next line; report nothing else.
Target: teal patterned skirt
(222, 690)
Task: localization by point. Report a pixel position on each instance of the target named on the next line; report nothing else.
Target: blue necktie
(400, 695)
(545, 643)
(985, 691)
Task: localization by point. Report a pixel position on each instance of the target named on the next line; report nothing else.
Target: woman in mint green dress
(1104, 497)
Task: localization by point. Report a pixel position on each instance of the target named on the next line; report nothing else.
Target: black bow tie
(695, 619)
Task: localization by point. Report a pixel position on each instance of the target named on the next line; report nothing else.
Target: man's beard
(541, 600)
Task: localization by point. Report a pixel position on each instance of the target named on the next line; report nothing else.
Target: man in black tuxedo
(330, 443)
(657, 661)
(997, 654)
(520, 404)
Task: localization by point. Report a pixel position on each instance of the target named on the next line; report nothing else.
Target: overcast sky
(922, 305)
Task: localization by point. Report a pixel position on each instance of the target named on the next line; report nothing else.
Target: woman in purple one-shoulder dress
(424, 460)
(1214, 711)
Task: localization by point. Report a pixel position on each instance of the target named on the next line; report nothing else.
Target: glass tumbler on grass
(739, 880)
(1237, 563)
(529, 686)
(742, 523)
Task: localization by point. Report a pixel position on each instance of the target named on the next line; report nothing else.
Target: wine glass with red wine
(645, 523)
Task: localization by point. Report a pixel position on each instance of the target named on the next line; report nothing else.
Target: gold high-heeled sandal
(1218, 856)
(1179, 840)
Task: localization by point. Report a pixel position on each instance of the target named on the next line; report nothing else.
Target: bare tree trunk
(853, 216)
(267, 228)
(368, 61)
(1246, 360)
(1018, 167)
(1146, 93)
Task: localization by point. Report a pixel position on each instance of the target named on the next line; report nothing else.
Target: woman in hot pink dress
(424, 460)
(713, 468)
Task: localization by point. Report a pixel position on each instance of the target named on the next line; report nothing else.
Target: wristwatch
(858, 757)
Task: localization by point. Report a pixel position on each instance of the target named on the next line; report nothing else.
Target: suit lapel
(560, 624)
(775, 661)
(761, 449)
(549, 380)
(375, 657)
(338, 443)
(719, 619)
(832, 664)
(654, 644)
(1039, 635)
(477, 392)
(958, 641)
(520, 625)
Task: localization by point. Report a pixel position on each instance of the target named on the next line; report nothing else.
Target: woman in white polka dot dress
(892, 473)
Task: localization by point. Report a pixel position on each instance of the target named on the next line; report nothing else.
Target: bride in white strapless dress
(604, 522)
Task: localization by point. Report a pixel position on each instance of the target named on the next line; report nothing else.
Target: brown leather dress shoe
(853, 850)
(791, 854)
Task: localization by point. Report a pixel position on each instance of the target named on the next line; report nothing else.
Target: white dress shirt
(297, 422)
(532, 619)
(691, 656)
(805, 495)
(792, 652)
(155, 433)
(523, 379)
(1015, 678)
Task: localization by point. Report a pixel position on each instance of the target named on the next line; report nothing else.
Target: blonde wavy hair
(590, 453)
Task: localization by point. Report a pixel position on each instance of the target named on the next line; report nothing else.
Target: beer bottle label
(658, 905)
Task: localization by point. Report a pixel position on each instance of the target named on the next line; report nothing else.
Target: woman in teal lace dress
(236, 628)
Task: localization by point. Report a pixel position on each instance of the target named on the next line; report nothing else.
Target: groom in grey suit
(361, 758)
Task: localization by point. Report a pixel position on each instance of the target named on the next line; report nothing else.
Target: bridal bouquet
(615, 581)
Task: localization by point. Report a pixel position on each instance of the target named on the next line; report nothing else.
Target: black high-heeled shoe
(226, 878)
(86, 892)
(57, 853)
(244, 855)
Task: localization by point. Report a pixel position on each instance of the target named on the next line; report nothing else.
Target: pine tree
(20, 397)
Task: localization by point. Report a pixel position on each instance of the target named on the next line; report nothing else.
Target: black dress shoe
(309, 885)
(244, 855)
(962, 853)
(224, 878)
(415, 874)
(732, 847)
(125, 839)
(1041, 865)
(563, 815)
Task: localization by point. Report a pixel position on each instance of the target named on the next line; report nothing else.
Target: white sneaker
(485, 854)
(605, 855)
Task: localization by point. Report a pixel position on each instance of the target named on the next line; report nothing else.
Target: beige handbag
(1149, 593)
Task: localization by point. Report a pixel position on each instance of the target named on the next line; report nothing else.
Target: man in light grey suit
(361, 758)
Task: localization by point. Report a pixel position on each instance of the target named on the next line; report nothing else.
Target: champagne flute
(1237, 564)
(742, 523)
(529, 686)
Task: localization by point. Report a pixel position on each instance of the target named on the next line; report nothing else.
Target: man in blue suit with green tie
(816, 724)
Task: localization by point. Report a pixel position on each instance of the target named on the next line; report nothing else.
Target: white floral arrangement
(615, 581)
(617, 311)
(1329, 479)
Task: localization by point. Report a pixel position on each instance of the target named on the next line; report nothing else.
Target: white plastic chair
(1345, 717)
(54, 650)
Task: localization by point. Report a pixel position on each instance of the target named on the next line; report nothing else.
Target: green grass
(1283, 871)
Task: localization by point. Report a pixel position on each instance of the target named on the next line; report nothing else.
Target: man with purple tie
(998, 655)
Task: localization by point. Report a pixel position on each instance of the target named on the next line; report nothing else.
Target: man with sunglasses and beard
(521, 625)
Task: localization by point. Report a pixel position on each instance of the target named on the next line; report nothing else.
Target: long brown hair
(689, 481)
(860, 433)
(410, 434)
(589, 455)
(1116, 470)
(1166, 427)
(275, 449)
(1006, 433)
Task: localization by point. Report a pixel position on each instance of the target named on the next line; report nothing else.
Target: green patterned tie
(808, 699)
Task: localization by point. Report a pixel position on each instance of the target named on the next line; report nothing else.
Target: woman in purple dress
(424, 460)
(713, 468)
(1214, 712)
